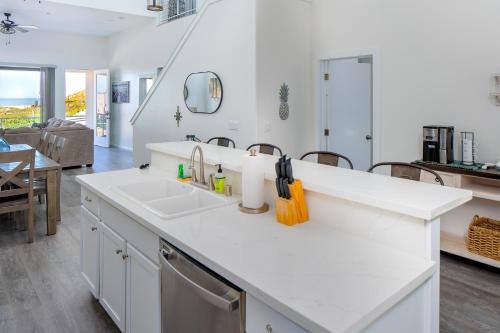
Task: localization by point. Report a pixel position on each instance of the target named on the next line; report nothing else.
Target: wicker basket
(484, 237)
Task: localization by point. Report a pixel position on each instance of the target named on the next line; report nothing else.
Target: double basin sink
(169, 199)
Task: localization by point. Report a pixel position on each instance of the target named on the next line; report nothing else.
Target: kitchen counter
(323, 279)
(490, 173)
(415, 199)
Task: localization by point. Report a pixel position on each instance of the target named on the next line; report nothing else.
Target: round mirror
(203, 92)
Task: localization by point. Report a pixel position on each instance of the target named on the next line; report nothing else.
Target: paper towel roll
(252, 182)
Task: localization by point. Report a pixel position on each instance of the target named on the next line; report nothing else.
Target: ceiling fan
(9, 27)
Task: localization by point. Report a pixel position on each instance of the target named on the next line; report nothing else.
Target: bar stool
(266, 148)
(222, 141)
(328, 158)
(408, 171)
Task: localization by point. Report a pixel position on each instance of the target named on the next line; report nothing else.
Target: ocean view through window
(19, 97)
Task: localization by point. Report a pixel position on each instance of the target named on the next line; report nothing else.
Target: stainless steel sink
(169, 199)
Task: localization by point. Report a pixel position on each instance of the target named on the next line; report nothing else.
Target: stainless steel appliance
(431, 144)
(446, 150)
(195, 299)
(438, 144)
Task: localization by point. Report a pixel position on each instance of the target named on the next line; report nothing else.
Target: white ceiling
(56, 16)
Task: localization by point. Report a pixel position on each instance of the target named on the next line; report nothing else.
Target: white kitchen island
(367, 261)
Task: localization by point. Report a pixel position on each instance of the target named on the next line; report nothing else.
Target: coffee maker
(431, 144)
(438, 144)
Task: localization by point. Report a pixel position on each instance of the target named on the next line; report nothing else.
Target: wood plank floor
(470, 296)
(41, 289)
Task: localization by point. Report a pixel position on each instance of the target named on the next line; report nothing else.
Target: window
(76, 107)
(145, 84)
(174, 9)
(19, 97)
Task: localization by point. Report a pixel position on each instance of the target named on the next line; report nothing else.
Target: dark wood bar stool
(408, 171)
(266, 148)
(328, 158)
(222, 141)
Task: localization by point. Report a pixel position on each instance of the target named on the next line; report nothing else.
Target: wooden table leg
(51, 202)
(58, 196)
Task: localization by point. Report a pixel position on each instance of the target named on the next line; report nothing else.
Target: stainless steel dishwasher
(195, 299)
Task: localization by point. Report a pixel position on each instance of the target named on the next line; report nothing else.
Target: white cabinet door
(89, 250)
(143, 293)
(262, 319)
(113, 274)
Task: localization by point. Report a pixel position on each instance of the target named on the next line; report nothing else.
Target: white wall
(222, 42)
(66, 51)
(283, 56)
(132, 53)
(433, 64)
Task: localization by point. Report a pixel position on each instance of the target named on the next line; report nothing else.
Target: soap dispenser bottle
(220, 181)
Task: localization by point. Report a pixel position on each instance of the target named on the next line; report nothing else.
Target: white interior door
(102, 120)
(348, 108)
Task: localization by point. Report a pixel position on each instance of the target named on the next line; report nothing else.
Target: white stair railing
(173, 56)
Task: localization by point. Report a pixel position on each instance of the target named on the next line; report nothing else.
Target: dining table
(50, 171)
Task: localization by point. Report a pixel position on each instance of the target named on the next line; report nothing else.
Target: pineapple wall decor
(284, 107)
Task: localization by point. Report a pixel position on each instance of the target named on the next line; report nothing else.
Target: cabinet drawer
(449, 179)
(142, 239)
(90, 201)
(262, 319)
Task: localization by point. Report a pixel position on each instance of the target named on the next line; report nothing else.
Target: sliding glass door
(19, 97)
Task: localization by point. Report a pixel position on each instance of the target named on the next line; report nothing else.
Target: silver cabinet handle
(93, 228)
(207, 295)
(88, 199)
(119, 251)
(125, 256)
(269, 328)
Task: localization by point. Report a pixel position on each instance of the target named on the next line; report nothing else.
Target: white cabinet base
(89, 250)
(113, 269)
(143, 293)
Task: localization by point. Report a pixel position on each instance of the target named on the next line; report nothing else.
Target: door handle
(207, 295)
(368, 137)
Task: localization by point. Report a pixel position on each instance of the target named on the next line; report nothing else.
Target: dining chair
(58, 148)
(44, 143)
(408, 171)
(328, 158)
(16, 193)
(266, 148)
(50, 146)
(222, 141)
(55, 153)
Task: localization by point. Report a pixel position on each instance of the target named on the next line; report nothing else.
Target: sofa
(79, 149)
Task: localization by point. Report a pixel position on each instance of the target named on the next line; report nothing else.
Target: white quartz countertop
(321, 278)
(416, 199)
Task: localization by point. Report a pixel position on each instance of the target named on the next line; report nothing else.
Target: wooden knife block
(294, 210)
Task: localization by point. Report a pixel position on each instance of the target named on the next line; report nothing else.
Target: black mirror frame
(186, 89)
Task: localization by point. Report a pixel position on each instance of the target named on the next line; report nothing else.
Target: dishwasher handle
(207, 295)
